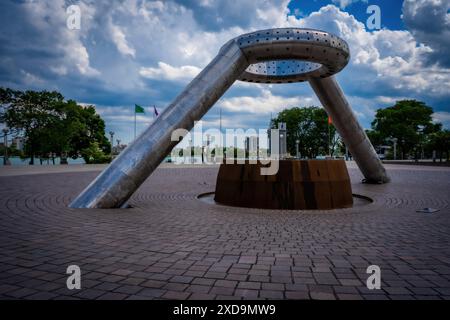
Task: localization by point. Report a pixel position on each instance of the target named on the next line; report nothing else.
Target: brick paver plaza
(171, 245)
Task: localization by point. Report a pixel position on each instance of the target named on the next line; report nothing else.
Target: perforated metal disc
(291, 55)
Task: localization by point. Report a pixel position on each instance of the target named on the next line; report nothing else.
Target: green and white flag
(138, 109)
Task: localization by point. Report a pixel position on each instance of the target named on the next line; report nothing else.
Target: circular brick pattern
(358, 200)
(171, 245)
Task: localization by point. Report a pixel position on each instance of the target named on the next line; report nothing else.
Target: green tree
(85, 127)
(439, 141)
(310, 126)
(409, 121)
(12, 151)
(94, 154)
(51, 125)
(375, 137)
(31, 113)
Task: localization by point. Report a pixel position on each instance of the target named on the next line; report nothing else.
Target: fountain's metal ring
(291, 55)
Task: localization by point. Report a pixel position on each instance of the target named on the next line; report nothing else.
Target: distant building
(282, 141)
(118, 148)
(252, 144)
(18, 143)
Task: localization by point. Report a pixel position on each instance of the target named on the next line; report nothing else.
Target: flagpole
(329, 135)
(222, 142)
(329, 140)
(135, 123)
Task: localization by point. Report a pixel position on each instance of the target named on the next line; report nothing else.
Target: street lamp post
(191, 156)
(257, 148)
(111, 133)
(6, 161)
(203, 154)
(118, 150)
(402, 147)
(421, 129)
(297, 149)
(206, 150)
(394, 140)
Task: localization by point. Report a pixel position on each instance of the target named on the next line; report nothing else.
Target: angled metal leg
(114, 186)
(354, 136)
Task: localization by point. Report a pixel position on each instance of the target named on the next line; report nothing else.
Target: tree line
(308, 125)
(52, 126)
(408, 122)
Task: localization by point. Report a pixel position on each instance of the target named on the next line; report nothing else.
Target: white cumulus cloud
(120, 41)
(165, 71)
(264, 103)
(442, 117)
(345, 3)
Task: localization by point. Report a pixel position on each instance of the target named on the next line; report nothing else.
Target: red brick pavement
(171, 245)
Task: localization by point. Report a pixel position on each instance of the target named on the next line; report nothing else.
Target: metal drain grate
(427, 210)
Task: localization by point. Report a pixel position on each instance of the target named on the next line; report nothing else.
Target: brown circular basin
(298, 184)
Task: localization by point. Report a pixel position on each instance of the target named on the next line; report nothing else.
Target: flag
(330, 121)
(138, 109)
(155, 111)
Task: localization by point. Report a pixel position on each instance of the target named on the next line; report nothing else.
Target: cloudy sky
(145, 52)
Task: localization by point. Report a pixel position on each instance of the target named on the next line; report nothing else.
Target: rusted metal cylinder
(299, 184)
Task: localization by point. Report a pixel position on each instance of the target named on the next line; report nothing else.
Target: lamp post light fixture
(111, 133)
(191, 152)
(6, 161)
(394, 140)
(421, 129)
(402, 147)
(206, 148)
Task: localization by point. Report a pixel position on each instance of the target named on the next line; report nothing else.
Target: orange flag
(329, 120)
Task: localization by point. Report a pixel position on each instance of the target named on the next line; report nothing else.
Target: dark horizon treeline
(410, 122)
